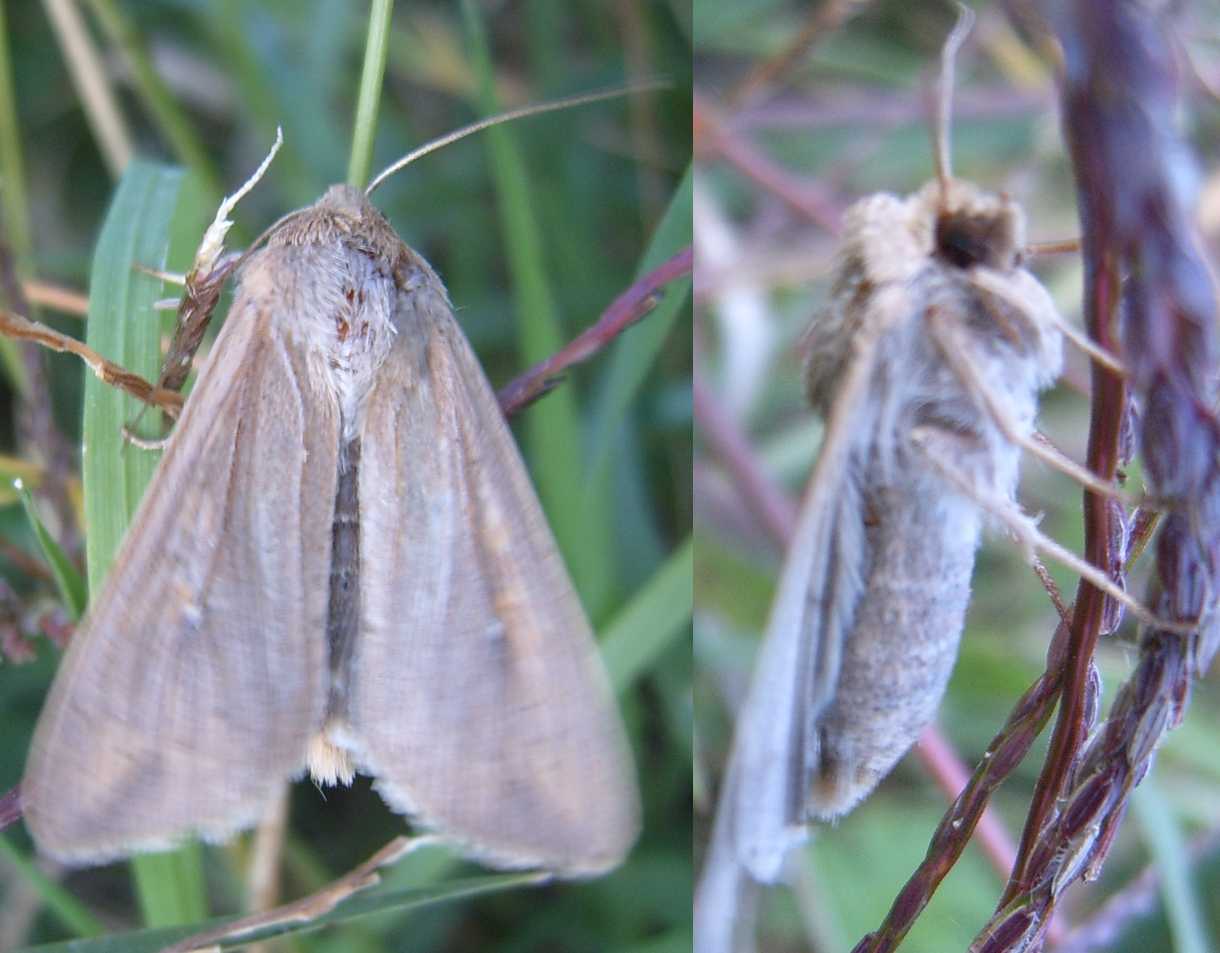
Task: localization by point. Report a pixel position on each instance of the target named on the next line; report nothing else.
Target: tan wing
(478, 698)
(188, 695)
(761, 813)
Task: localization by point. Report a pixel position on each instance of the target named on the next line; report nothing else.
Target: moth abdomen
(900, 652)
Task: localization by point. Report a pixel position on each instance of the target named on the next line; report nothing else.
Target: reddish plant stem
(1101, 284)
(628, 308)
(1135, 177)
(825, 18)
(950, 773)
(715, 137)
(773, 509)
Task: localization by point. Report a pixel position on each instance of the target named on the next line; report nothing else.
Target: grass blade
(1163, 838)
(124, 327)
(158, 99)
(13, 203)
(371, 79)
(69, 582)
(658, 613)
(581, 524)
(66, 908)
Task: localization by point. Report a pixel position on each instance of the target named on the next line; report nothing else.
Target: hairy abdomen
(900, 652)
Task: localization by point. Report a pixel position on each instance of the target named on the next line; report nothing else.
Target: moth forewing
(340, 564)
(543, 776)
(187, 695)
(794, 676)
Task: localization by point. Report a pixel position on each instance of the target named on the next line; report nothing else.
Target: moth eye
(967, 240)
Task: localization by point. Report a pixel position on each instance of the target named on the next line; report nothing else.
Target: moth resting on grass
(339, 566)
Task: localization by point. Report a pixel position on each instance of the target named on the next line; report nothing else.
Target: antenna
(944, 99)
(523, 112)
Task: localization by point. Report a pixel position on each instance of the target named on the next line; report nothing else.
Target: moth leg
(144, 443)
(1061, 247)
(169, 277)
(937, 447)
(1088, 346)
(986, 281)
(954, 349)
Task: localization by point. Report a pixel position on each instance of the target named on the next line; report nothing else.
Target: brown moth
(926, 365)
(339, 566)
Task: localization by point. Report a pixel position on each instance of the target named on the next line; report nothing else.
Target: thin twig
(14, 325)
(769, 504)
(36, 421)
(628, 308)
(825, 18)
(263, 875)
(92, 84)
(715, 137)
(64, 300)
(317, 904)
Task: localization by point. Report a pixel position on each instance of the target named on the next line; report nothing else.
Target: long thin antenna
(532, 110)
(944, 99)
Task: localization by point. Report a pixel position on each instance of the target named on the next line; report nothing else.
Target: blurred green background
(849, 119)
(534, 234)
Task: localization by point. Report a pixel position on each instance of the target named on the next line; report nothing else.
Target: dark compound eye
(967, 240)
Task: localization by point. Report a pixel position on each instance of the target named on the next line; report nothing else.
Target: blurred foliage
(848, 119)
(205, 86)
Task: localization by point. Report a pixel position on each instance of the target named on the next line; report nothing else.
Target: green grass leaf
(13, 202)
(124, 327)
(63, 906)
(371, 78)
(553, 433)
(69, 582)
(658, 613)
(1163, 838)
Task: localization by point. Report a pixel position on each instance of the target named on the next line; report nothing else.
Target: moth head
(342, 214)
(986, 231)
(344, 201)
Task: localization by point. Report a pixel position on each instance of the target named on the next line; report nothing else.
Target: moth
(929, 304)
(339, 566)
(926, 365)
